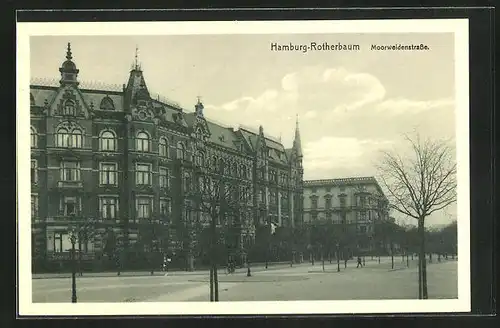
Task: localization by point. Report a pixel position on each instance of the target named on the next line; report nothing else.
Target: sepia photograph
(235, 167)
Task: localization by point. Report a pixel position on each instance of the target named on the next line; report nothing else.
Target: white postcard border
(457, 26)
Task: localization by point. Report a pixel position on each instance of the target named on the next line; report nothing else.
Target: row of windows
(65, 138)
(328, 202)
(108, 142)
(108, 207)
(108, 173)
(327, 189)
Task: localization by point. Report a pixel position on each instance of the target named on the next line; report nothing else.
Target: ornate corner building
(356, 204)
(130, 164)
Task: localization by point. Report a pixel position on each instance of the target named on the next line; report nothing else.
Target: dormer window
(69, 108)
(221, 138)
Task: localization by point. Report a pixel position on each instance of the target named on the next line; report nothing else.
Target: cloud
(345, 117)
(341, 154)
(401, 106)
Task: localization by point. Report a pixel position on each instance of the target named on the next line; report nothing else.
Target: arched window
(33, 138)
(244, 171)
(163, 147)
(107, 104)
(180, 150)
(76, 138)
(62, 138)
(142, 141)
(107, 141)
(69, 108)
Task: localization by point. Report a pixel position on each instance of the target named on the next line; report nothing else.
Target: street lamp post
(73, 265)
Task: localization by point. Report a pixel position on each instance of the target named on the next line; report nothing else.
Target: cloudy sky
(350, 105)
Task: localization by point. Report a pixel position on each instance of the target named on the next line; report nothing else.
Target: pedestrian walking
(359, 262)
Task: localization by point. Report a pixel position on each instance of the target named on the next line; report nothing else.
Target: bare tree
(224, 198)
(420, 184)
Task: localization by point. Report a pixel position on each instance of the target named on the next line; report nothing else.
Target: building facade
(128, 168)
(355, 204)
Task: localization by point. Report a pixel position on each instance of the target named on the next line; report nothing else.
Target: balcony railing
(70, 184)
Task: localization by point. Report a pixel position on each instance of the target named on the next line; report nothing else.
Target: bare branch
(422, 183)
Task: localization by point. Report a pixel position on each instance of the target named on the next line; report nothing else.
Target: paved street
(300, 282)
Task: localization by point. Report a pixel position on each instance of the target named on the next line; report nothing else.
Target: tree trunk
(423, 264)
(216, 284)
(211, 282)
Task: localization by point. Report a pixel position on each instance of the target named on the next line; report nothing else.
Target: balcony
(62, 218)
(73, 184)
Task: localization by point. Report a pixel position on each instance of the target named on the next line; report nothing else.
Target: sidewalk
(254, 268)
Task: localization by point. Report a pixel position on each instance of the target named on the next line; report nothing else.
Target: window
(85, 246)
(180, 150)
(199, 158)
(313, 190)
(108, 174)
(164, 178)
(314, 202)
(244, 171)
(66, 139)
(262, 196)
(144, 206)
(362, 229)
(76, 139)
(108, 207)
(328, 202)
(163, 147)
(34, 205)
(272, 175)
(342, 188)
(284, 200)
(142, 142)
(143, 174)
(314, 216)
(70, 171)
(329, 216)
(69, 108)
(272, 197)
(107, 141)
(165, 208)
(342, 202)
(62, 138)
(71, 206)
(187, 182)
(62, 242)
(328, 189)
(33, 138)
(362, 215)
(362, 201)
(34, 171)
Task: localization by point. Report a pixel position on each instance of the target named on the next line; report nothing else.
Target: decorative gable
(69, 102)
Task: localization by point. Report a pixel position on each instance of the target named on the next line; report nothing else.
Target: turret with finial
(68, 70)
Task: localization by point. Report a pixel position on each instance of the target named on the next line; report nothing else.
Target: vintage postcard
(287, 167)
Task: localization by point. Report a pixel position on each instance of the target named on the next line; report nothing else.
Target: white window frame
(140, 201)
(106, 203)
(142, 144)
(163, 150)
(34, 171)
(139, 175)
(107, 143)
(76, 200)
(76, 170)
(34, 205)
(112, 174)
(164, 177)
(34, 138)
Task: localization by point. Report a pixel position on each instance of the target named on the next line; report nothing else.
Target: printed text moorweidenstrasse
(325, 46)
